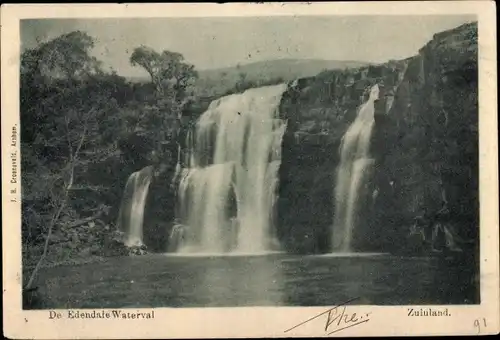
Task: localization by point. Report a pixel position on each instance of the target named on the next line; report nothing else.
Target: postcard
(249, 170)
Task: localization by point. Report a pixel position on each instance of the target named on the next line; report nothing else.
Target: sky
(210, 43)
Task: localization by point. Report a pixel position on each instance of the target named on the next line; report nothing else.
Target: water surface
(267, 280)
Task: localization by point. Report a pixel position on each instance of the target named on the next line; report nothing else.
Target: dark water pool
(270, 280)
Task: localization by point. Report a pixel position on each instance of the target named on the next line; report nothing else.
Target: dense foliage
(83, 132)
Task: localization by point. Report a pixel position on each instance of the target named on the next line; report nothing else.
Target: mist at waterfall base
(352, 173)
(227, 190)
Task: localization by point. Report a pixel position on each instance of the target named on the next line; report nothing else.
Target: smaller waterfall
(178, 168)
(352, 172)
(131, 214)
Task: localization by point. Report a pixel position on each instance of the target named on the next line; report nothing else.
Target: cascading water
(227, 192)
(131, 214)
(352, 173)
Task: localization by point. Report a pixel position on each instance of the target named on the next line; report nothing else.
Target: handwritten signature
(337, 318)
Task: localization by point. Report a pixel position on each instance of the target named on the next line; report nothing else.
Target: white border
(253, 321)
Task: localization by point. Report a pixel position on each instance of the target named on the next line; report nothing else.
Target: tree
(172, 78)
(70, 123)
(168, 71)
(65, 57)
(67, 176)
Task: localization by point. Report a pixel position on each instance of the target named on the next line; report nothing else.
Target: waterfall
(352, 173)
(177, 166)
(227, 191)
(131, 214)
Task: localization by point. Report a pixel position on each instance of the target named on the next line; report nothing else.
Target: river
(158, 280)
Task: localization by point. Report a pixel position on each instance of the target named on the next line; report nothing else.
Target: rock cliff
(425, 145)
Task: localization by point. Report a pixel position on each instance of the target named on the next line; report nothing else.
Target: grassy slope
(218, 81)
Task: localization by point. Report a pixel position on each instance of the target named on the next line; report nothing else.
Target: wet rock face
(424, 141)
(434, 151)
(319, 110)
(159, 211)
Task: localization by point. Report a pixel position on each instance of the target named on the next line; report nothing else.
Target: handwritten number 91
(478, 323)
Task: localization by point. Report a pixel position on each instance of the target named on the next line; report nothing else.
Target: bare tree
(67, 176)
